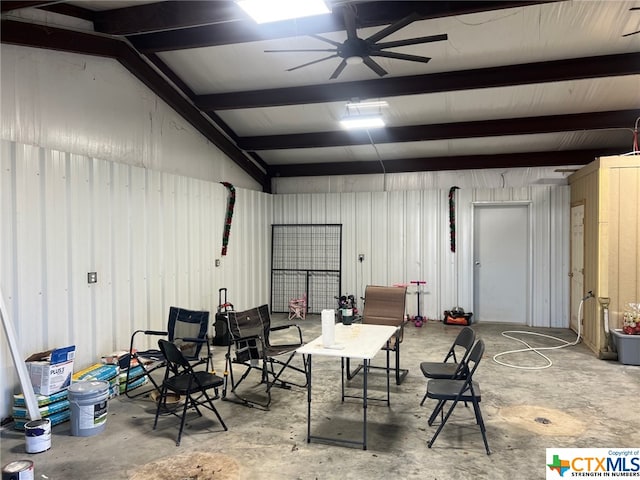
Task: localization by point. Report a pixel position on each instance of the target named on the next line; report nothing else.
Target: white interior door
(577, 262)
(501, 263)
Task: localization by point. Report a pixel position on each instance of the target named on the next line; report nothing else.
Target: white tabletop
(362, 341)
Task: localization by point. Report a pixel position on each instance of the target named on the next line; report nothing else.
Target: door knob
(477, 264)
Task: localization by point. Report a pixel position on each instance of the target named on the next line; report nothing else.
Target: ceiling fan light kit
(354, 60)
(263, 11)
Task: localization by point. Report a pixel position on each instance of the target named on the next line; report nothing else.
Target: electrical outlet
(92, 277)
(217, 263)
(361, 257)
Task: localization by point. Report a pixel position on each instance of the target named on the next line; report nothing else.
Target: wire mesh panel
(286, 285)
(324, 287)
(299, 254)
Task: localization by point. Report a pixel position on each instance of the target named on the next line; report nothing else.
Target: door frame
(529, 250)
(578, 203)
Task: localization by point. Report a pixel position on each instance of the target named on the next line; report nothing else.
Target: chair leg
(401, 373)
(187, 400)
(437, 410)
(423, 399)
(161, 399)
(480, 422)
(441, 426)
(284, 364)
(213, 408)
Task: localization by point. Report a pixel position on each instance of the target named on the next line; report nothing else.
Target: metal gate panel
(306, 259)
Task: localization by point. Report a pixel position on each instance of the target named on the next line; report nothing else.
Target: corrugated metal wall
(405, 236)
(152, 237)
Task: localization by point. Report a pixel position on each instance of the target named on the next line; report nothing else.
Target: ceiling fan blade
(401, 56)
(327, 40)
(338, 70)
(394, 27)
(632, 33)
(373, 65)
(412, 41)
(311, 63)
(350, 22)
(302, 50)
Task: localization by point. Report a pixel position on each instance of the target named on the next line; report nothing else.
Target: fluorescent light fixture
(264, 11)
(362, 105)
(362, 121)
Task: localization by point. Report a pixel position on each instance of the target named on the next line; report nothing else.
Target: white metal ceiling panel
(576, 96)
(543, 32)
(543, 142)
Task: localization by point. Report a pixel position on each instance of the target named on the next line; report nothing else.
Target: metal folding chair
(458, 390)
(180, 378)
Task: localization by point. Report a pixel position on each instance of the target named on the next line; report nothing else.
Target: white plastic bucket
(88, 405)
(37, 435)
(18, 470)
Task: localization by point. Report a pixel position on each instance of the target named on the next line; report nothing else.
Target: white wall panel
(405, 236)
(152, 237)
(375, 267)
(488, 178)
(93, 106)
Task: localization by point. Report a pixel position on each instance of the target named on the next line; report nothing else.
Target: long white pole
(25, 382)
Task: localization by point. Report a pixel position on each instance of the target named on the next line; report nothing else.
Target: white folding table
(356, 341)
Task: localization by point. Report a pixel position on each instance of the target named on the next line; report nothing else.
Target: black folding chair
(181, 379)
(187, 329)
(450, 367)
(458, 390)
(251, 346)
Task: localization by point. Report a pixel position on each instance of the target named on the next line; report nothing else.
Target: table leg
(388, 385)
(364, 404)
(342, 378)
(308, 366)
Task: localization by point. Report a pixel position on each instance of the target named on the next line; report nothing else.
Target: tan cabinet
(609, 190)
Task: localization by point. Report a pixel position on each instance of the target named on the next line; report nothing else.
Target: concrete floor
(579, 401)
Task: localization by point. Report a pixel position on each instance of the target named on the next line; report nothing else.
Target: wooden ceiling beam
(9, 5)
(522, 74)
(466, 162)
(446, 131)
(232, 25)
(169, 15)
(172, 15)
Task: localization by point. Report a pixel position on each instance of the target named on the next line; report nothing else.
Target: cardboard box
(51, 371)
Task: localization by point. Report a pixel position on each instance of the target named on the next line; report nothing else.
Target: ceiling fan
(358, 50)
(637, 31)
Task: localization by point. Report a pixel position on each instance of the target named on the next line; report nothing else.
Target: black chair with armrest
(187, 329)
(252, 346)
